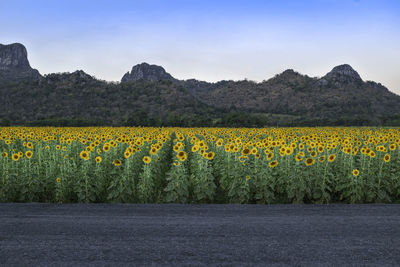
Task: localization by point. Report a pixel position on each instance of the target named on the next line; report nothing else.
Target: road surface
(38, 234)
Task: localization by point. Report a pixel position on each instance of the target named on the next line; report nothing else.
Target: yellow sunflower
(146, 159)
(309, 161)
(210, 155)
(106, 147)
(356, 172)
(386, 158)
(273, 164)
(117, 162)
(15, 157)
(29, 154)
(84, 155)
(181, 155)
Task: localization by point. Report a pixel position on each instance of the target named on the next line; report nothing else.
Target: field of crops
(200, 165)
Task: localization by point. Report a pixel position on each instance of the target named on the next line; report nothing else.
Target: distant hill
(148, 95)
(341, 92)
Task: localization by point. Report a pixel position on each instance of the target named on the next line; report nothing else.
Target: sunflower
(195, 148)
(106, 147)
(309, 161)
(245, 151)
(127, 154)
(313, 154)
(181, 155)
(356, 172)
(176, 163)
(289, 150)
(299, 158)
(331, 157)
(29, 145)
(146, 159)
(84, 155)
(210, 155)
(153, 151)
(321, 159)
(227, 148)
(273, 164)
(28, 154)
(117, 162)
(98, 159)
(219, 142)
(5, 154)
(247, 177)
(386, 158)
(392, 147)
(58, 147)
(15, 157)
(58, 180)
(242, 158)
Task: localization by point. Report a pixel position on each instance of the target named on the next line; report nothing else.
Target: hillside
(148, 95)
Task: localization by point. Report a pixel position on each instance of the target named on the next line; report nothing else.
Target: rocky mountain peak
(14, 64)
(13, 56)
(342, 74)
(146, 71)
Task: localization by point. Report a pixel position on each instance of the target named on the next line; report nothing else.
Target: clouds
(208, 40)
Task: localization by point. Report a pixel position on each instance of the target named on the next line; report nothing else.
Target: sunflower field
(200, 165)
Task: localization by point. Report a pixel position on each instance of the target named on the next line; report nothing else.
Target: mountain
(14, 64)
(147, 72)
(343, 74)
(148, 95)
(341, 92)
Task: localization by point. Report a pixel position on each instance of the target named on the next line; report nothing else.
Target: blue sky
(208, 40)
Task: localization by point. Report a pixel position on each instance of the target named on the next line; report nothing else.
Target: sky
(208, 40)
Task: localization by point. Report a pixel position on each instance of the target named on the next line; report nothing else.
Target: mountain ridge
(149, 92)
